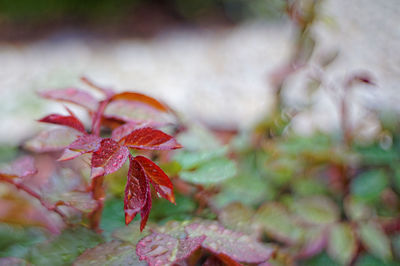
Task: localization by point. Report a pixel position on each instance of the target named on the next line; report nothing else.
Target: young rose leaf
(108, 158)
(83, 144)
(145, 211)
(160, 181)
(141, 98)
(22, 167)
(163, 249)
(64, 120)
(52, 140)
(148, 138)
(98, 116)
(72, 95)
(236, 246)
(136, 190)
(123, 131)
(112, 253)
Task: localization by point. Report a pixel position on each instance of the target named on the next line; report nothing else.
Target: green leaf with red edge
(163, 249)
(160, 181)
(71, 95)
(236, 246)
(64, 120)
(136, 190)
(141, 98)
(52, 140)
(148, 138)
(83, 144)
(108, 158)
(375, 240)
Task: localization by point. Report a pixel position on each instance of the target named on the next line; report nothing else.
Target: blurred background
(213, 60)
(288, 113)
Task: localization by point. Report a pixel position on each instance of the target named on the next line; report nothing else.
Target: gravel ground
(218, 76)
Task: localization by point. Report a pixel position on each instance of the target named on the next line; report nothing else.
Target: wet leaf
(163, 249)
(375, 240)
(211, 172)
(160, 181)
(124, 130)
(52, 140)
(109, 157)
(112, 253)
(148, 138)
(316, 210)
(342, 244)
(136, 190)
(72, 95)
(236, 246)
(63, 120)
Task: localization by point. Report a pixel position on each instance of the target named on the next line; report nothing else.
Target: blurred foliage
(322, 199)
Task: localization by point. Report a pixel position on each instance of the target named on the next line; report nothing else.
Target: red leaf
(144, 99)
(108, 158)
(97, 118)
(84, 144)
(148, 138)
(123, 131)
(72, 95)
(145, 211)
(157, 177)
(136, 190)
(69, 121)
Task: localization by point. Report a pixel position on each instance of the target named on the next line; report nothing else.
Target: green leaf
(113, 216)
(375, 240)
(369, 260)
(321, 259)
(342, 243)
(64, 248)
(356, 210)
(214, 171)
(237, 217)
(112, 253)
(369, 185)
(189, 160)
(278, 224)
(316, 210)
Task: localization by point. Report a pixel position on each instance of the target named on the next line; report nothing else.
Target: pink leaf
(150, 139)
(163, 249)
(136, 190)
(160, 181)
(236, 246)
(54, 139)
(97, 117)
(82, 145)
(69, 121)
(72, 95)
(108, 158)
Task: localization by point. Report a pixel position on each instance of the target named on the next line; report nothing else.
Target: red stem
(32, 193)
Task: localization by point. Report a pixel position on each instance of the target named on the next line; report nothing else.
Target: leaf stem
(49, 207)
